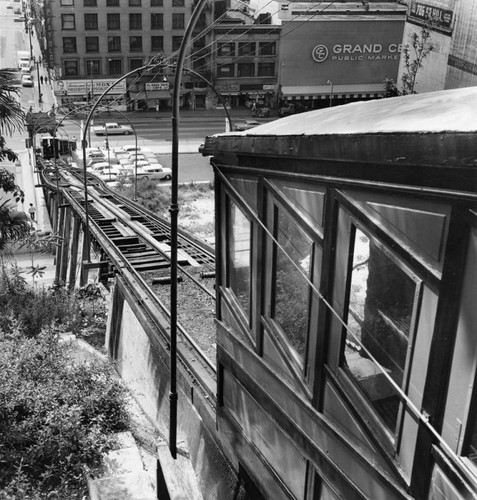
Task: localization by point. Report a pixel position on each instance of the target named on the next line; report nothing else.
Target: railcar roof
(442, 111)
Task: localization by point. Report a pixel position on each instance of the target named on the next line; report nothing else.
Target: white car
(96, 168)
(130, 148)
(27, 81)
(109, 174)
(112, 129)
(130, 164)
(156, 171)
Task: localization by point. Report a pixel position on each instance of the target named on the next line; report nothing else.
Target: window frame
(135, 21)
(67, 3)
(113, 21)
(90, 3)
(64, 22)
(262, 66)
(157, 3)
(134, 3)
(156, 48)
(112, 43)
(241, 52)
(90, 21)
(96, 70)
(112, 3)
(391, 440)
(115, 61)
(178, 21)
(72, 40)
(220, 68)
(70, 63)
(241, 66)
(94, 42)
(222, 45)
(137, 38)
(264, 45)
(157, 21)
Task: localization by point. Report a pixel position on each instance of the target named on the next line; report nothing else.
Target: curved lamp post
(174, 210)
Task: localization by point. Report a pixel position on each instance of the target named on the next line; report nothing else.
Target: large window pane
(379, 319)
(240, 248)
(293, 263)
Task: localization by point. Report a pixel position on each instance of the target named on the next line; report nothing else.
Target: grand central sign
(357, 52)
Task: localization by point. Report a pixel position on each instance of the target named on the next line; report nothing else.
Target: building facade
(333, 53)
(452, 26)
(91, 43)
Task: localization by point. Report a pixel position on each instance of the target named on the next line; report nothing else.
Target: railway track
(136, 243)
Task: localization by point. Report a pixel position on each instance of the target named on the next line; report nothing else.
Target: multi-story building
(246, 63)
(337, 52)
(452, 29)
(91, 43)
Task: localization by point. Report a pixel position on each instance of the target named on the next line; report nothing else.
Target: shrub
(55, 416)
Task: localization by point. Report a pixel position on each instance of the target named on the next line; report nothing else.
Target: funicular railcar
(346, 312)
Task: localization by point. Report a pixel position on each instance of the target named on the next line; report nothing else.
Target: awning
(150, 94)
(339, 91)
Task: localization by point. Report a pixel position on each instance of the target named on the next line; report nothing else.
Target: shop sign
(228, 88)
(82, 87)
(356, 52)
(269, 87)
(157, 86)
(440, 18)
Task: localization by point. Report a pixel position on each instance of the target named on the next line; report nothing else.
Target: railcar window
(379, 319)
(240, 247)
(472, 446)
(291, 288)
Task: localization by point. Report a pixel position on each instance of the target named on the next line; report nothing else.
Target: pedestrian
(41, 80)
(32, 211)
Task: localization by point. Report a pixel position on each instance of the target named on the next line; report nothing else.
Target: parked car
(9, 6)
(288, 109)
(27, 81)
(20, 19)
(246, 125)
(130, 164)
(154, 171)
(112, 129)
(109, 174)
(17, 10)
(130, 148)
(94, 161)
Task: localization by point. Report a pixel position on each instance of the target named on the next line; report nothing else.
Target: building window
(114, 44)
(176, 42)
(245, 69)
(178, 3)
(92, 44)
(246, 49)
(68, 21)
(115, 66)
(67, 3)
(240, 244)
(225, 70)
(91, 21)
(157, 21)
(177, 21)
(135, 64)
(114, 21)
(90, 3)
(266, 69)
(93, 67)
(157, 43)
(112, 3)
(292, 266)
(380, 318)
(157, 3)
(134, 3)
(135, 43)
(69, 44)
(71, 68)
(267, 48)
(226, 49)
(135, 21)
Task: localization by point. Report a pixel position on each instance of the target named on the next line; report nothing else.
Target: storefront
(342, 60)
(73, 94)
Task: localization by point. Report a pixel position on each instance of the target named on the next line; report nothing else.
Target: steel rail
(142, 291)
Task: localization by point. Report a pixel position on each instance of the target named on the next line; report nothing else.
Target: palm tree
(12, 118)
(14, 225)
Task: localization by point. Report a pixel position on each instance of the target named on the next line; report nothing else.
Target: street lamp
(37, 64)
(329, 82)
